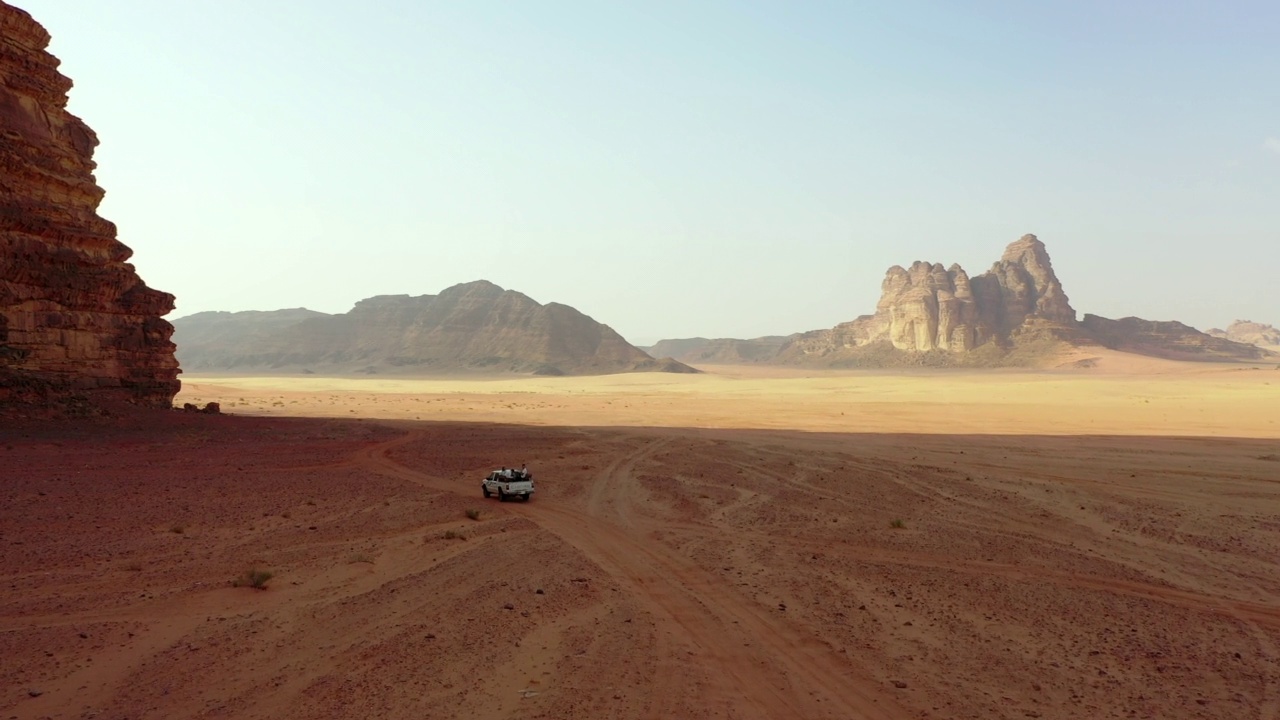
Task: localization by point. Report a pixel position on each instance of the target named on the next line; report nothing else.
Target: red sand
(659, 573)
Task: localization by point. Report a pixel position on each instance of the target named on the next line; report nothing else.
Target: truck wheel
(525, 497)
(485, 490)
(502, 497)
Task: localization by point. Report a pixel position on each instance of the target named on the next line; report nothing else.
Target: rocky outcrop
(720, 350)
(1015, 314)
(78, 327)
(939, 313)
(928, 308)
(476, 326)
(1251, 333)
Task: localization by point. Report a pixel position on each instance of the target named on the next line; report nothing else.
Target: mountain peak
(475, 287)
(1028, 247)
(474, 326)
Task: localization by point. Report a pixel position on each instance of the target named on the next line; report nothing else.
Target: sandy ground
(1123, 396)
(729, 546)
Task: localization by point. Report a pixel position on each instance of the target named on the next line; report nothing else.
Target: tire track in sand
(753, 664)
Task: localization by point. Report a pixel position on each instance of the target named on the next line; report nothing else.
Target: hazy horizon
(673, 170)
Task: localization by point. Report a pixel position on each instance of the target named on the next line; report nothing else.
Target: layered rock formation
(944, 315)
(78, 327)
(1251, 333)
(929, 308)
(1016, 313)
(477, 326)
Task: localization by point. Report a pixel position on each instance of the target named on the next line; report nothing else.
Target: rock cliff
(1251, 333)
(476, 326)
(78, 327)
(1015, 314)
(929, 308)
(931, 314)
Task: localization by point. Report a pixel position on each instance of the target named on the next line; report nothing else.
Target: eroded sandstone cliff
(933, 312)
(1252, 333)
(929, 308)
(78, 327)
(1015, 314)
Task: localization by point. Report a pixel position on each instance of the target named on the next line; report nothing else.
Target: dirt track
(683, 573)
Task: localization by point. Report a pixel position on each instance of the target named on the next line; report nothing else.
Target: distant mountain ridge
(1015, 314)
(721, 350)
(475, 326)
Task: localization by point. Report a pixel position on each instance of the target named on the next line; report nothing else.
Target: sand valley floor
(742, 544)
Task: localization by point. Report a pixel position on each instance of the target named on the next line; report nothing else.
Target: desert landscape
(743, 543)
(968, 502)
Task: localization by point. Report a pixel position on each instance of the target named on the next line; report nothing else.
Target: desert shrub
(897, 524)
(254, 578)
(361, 558)
(178, 528)
(473, 514)
(452, 535)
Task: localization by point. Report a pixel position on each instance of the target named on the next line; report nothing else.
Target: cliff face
(78, 327)
(1252, 333)
(476, 326)
(1015, 314)
(930, 309)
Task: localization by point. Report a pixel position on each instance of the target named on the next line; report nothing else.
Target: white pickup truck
(507, 485)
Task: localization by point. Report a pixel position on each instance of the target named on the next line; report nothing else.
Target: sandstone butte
(1016, 313)
(79, 330)
(928, 308)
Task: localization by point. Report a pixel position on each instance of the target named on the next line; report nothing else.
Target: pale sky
(725, 169)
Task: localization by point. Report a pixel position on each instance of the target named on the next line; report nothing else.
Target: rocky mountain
(928, 308)
(720, 350)
(934, 315)
(476, 326)
(1170, 339)
(218, 339)
(1252, 333)
(1014, 314)
(78, 327)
